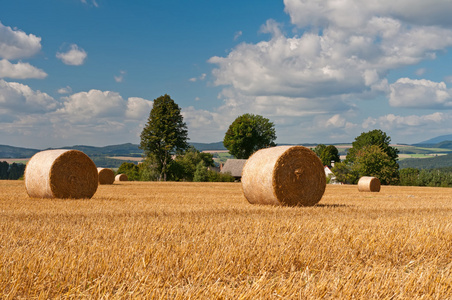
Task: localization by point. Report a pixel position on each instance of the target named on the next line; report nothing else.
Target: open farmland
(203, 240)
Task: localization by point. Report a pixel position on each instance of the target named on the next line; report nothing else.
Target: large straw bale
(61, 174)
(121, 177)
(369, 184)
(106, 176)
(284, 175)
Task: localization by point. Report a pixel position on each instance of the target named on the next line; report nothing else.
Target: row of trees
(190, 165)
(436, 177)
(168, 157)
(11, 171)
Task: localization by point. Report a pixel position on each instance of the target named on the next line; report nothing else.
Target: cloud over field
(337, 58)
(95, 117)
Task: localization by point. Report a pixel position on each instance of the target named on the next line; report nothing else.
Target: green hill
(427, 163)
(127, 149)
(16, 152)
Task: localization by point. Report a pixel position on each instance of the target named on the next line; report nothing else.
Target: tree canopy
(329, 154)
(164, 134)
(373, 161)
(249, 133)
(373, 137)
(370, 155)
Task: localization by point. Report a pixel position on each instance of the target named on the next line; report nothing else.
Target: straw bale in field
(121, 177)
(61, 174)
(369, 184)
(106, 176)
(284, 175)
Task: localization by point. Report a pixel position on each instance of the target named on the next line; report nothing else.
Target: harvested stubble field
(203, 240)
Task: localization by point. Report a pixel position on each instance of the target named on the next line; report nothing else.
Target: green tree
(16, 171)
(130, 169)
(371, 155)
(164, 134)
(319, 149)
(184, 165)
(374, 161)
(329, 154)
(409, 177)
(4, 166)
(344, 173)
(214, 176)
(374, 137)
(201, 174)
(148, 170)
(249, 133)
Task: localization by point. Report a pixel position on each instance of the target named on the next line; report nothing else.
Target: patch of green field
(222, 157)
(421, 150)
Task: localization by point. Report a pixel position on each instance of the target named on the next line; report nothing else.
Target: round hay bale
(106, 176)
(284, 175)
(369, 184)
(61, 174)
(121, 177)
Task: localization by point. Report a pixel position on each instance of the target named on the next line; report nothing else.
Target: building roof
(234, 167)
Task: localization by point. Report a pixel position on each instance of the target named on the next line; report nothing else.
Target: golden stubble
(204, 240)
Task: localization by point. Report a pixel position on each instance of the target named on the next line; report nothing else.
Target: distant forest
(435, 162)
(11, 171)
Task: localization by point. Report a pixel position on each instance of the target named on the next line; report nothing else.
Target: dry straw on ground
(61, 174)
(128, 243)
(121, 177)
(284, 175)
(106, 176)
(369, 184)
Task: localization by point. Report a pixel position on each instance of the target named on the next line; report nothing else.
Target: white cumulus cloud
(138, 108)
(120, 77)
(83, 106)
(336, 57)
(65, 90)
(20, 99)
(94, 117)
(16, 44)
(413, 93)
(409, 125)
(20, 70)
(75, 56)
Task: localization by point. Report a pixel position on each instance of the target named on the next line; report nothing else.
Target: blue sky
(86, 71)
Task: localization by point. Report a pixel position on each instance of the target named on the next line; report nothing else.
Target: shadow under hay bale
(106, 176)
(284, 175)
(369, 184)
(61, 174)
(121, 177)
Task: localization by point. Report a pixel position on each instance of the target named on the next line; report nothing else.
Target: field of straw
(204, 241)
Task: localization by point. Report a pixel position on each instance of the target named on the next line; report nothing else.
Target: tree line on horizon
(168, 156)
(12, 171)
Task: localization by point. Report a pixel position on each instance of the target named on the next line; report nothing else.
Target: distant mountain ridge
(127, 149)
(16, 152)
(436, 140)
(133, 150)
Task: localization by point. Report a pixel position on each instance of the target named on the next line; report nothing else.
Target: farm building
(330, 174)
(234, 167)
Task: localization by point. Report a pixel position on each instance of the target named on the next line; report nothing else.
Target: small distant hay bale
(121, 177)
(106, 176)
(284, 175)
(369, 184)
(61, 173)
